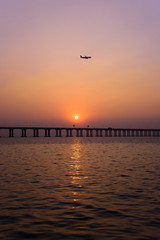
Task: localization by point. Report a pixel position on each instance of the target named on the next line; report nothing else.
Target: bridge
(80, 132)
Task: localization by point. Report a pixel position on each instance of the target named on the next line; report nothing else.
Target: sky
(43, 81)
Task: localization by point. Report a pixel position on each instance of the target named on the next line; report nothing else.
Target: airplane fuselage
(85, 57)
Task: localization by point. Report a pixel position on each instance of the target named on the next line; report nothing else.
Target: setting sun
(76, 117)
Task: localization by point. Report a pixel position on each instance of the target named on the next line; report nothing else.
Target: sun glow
(76, 117)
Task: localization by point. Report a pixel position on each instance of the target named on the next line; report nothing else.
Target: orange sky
(43, 81)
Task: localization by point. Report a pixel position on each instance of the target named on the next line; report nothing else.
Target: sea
(80, 188)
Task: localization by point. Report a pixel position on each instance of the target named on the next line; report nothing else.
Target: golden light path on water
(76, 177)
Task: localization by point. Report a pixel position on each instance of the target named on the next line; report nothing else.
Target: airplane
(85, 57)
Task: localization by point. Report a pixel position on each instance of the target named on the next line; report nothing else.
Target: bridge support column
(128, 133)
(119, 133)
(101, 133)
(145, 133)
(115, 133)
(91, 133)
(106, 133)
(81, 133)
(87, 132)
(71, 133)
(60, 133)
(110, 133)
(35, 130)
(47, 133)
(67, 132)
(97, 135)
(77, 132)
(11, 132)
(153, 133)
(132, 133)
(23, 132)
(56, 132)
(124, 133)
(141, 133)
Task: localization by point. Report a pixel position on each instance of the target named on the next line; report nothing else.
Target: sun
(76, 117)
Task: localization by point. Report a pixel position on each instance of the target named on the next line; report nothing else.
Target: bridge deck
(82, 132)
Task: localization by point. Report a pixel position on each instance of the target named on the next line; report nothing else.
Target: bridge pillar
(71, 135)
(106, 133)
(35, 130)
(110, 133)
(132, 133)
(23, 132)
(115, 133)
(124, 133)
(155, 133)
(60, 132)
(81, 132)
(11, 132)
(141, 133)
(101, 133)
(97, 135)
(67, 132)
(87, 132)
(145, 133)
(119, 133)
(56, 132)
(77, 132)
(149, 133)
(91, 133)
(47, 133)
(128, 133)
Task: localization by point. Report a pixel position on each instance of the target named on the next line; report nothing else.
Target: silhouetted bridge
(81, 132)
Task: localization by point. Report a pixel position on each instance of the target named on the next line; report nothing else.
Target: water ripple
(80, 189)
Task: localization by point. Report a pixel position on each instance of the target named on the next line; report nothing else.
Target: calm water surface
(80, 188)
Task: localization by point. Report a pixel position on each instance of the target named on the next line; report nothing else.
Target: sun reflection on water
(76, 163)
(77, 170)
